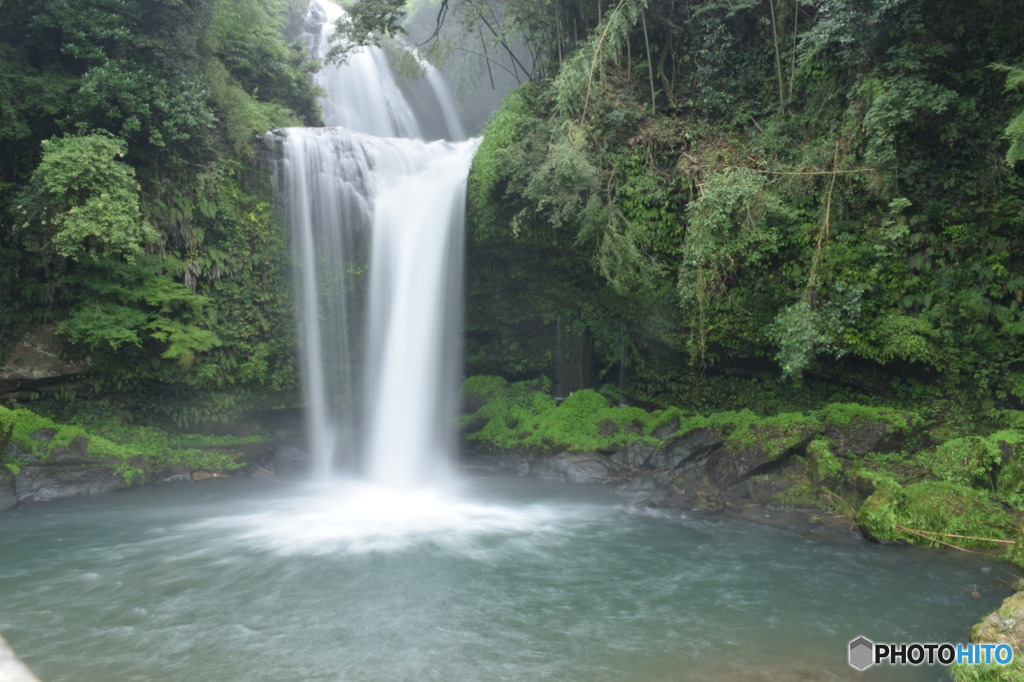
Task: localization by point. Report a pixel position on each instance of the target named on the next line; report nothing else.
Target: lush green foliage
(936, 508)
(522, 414)
(771, 190)
(130, 215)
(82, 199)
(135, 453)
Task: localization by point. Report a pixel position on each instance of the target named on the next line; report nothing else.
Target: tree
(83, 199)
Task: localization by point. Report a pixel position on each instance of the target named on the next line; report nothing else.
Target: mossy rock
(854, 429)
(47, 456)
(934, 509)
(1005, 625)
(788, 486)
(759, 446)
(774, 436)
(524, 415)
(823, 467)
(477, 390)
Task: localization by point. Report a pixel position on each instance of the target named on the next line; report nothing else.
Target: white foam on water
(353, 517)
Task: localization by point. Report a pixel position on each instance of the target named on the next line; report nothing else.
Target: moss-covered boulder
(45, 460)
(852, 429)
(757, 445)
(935, 512)
(52, 482)
(876, 464)
(1005, 625)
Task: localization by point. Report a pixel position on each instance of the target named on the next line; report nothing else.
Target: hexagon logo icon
(862, 653)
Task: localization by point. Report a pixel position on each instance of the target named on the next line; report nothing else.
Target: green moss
(872, 475)
(1003, 626)
(523, 415)
(131, 451)
(823, 464)
(989, 672)
(482, 387)
(852, 414)
(939, 507)
(776, 435)
(980, 478)
(40, 437)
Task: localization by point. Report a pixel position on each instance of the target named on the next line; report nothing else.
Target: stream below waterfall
(501, 580)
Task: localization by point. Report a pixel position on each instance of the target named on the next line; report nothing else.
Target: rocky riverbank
(43, 460)
(883, 469)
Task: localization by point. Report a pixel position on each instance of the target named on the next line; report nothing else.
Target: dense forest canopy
(709, 202)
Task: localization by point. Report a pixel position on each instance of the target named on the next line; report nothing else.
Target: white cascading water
(370, 203)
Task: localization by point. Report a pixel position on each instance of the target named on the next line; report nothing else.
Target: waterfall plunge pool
(503, 580)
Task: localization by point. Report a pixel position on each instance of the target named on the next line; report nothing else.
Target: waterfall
(376, 215)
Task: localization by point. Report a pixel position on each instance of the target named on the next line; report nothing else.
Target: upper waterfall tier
(363, 94)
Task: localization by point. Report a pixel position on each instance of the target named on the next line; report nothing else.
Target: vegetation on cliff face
(706, 202)
(131, 214)
(718, 197)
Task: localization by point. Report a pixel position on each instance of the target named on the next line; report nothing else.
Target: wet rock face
(51, 482)
(643, 464)
(35, 366)
(67, 471)
(290, 462)
(692, 448)
(726, 468)
(571, 467)
(862, 438)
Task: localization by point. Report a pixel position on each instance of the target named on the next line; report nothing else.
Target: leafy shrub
(965, 461)
(82, 199)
